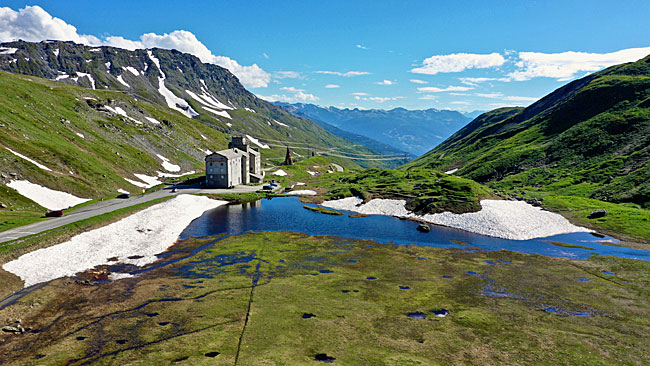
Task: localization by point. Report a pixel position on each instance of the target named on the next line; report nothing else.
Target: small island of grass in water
(323, 210)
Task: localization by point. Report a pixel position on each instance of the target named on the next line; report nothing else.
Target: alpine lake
(273, 283)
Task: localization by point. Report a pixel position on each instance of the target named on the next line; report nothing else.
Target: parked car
(124, 195)
(267, 187)
(54, 213)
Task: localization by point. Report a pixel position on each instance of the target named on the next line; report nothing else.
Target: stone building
(239, 164)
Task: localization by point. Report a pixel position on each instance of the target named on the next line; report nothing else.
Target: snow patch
(218, 113)
(108, 65)
(172, 100)
(514, 220)
(61, 77)
(280, 123)
(148, 181)
(145, 233)
(153, 120)
(451, 171)
(56, 52)
(30, 160)
(85, 75)
(205, 138)
(312, 173)
(119, 78)
(80, 135)
(257, 142)
(250, 110)
(95, 50)
(280, 172)
(48, 198)
(207, 100)
(167, 165)
(8, 51)
(123, 191)
(207, 152)
(228, 124)
(303, 192)
(169, 175)
(132, 70)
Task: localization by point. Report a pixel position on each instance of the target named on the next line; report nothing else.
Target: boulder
(10, 329)
(598, 213)
(424, 228)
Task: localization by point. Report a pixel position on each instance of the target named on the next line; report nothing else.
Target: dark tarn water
(287, 214)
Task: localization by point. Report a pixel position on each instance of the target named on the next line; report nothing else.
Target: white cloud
(428, 97)
(299, 96)
(461, 103)
(344, 74)
(265, 55)
(361, 47)
(360, 94)
(385, 82)
(565, 66)
(508, 98)
(287, 75)
(458, 62)
(34, 24)
(433, 89)
(476, 81)
(418, 81)
(382, 99)
(292, 89)
(332, 86)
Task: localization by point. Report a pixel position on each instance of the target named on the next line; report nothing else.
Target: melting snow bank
(145, 233)
(302, 192)
(48, 198)
(514, 220)
(280, 172)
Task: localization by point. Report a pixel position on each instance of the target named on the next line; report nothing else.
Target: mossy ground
(243, 297)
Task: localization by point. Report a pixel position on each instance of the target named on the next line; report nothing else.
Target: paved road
(103, 207)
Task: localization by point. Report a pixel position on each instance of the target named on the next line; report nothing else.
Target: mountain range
(412, 131)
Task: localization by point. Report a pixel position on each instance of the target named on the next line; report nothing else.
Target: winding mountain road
(103, 207)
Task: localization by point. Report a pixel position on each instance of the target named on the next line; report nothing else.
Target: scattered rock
(424, 228)
(2, 205)
(15, 330)
(598, 213)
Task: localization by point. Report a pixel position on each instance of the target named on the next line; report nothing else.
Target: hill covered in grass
(206, 93)
(589, 138)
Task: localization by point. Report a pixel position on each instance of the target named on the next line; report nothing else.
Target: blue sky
(462, 55)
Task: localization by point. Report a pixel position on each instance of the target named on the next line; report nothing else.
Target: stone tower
(287, 159)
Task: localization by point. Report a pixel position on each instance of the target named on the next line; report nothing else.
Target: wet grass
(567, 245)
(253, 299)
(323, 210)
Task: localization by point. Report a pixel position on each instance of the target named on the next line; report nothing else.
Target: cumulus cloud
(476, 81)
(332, 86)
(344, 74)
(35, 24)
(507, 97)
(298, 95)
(385, 82)
(361, 47)
(565, 66)
(458, 62)
(433, 89)
(418, 81)
(287, 75)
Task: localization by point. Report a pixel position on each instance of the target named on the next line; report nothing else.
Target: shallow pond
(287, 214)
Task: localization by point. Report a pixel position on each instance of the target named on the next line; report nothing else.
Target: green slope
(214, 95)
(589, 138)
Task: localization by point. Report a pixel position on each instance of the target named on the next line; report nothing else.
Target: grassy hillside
(208, 93)
(587, 139)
